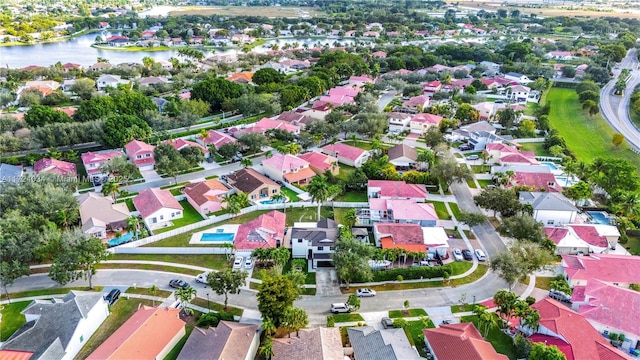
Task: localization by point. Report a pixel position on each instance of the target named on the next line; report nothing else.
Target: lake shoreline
(51, 41)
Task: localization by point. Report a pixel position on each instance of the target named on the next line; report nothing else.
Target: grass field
(537, 148)
(409, 313)
(306, 214)
(441, 209)
(189, 216)
(587, 137)
(347, 317)
(268, 11)
(51, 291)
(217, 262)
(416, 336)
(12, 320)
(500, 341)
(292, 195)
(352, 196)
(633, 245)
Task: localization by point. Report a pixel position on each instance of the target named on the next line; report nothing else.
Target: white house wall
(553, 217)
(86, 327)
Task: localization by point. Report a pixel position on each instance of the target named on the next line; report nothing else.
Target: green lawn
(635, 117)
(147, 291)
(441, 210)
(121, 311)
(543, 283)
(455, 210)
(471, 184)
(306, 214)
(530, 108)
(292, 195)
(12, 319)
(416, 336)
(460, 267)
(500, 341)
(189, 216)
(586, 137)
(217, 306)
(484, 183)
(339, 318)
(173, 354)
(633, 245)
(409, 313)
(149, 267)
(216, 262)
(461, 308)
(51, 291)
(480, 169)
(345, 172)
(353, 196)
(537, 148)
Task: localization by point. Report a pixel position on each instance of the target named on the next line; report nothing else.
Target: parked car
(202, 278)
(237, 264)
(178, 284)
(559, 295)
(365, 292)
(466, 254)
(340, 308)
(464, 147)
(480, 255)
(457, 254)
(473, 157)
(248, 262)
(386, 322)
(112, 296)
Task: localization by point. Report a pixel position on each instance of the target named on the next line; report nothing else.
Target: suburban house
(453, 341)
(486, 109)
(56, 329)
(596, 302)
(492, 67)
(392, 344)
(398, 122)
(54, 167)
(180, 144)
(93, 161)
(10, 173)
(228, 340)
(495, 169)
(509, 155)
(545, 182)
(99, 214)
(550, 208)
(403, 211)
(571, 333)
(347, 154)
(266, 124)
(559, 55)
(159, 329)
(420, 123)
(321, 163)
(415, 104)
(412, 237)
(267, 231)
(295, 118)
(314, 241)
(310, 344)
(108, 80)
(206, 196)
(390, 189)
(288, 168)
(518, 93)
(141, 154)
(257, 186)
(599, 237)
(517, 77)
(402, 156)
(216, 139)
(477, 135)
(620, 270)
(157, 207)
(432, 87)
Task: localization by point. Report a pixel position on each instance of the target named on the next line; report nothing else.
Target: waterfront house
(157, 207)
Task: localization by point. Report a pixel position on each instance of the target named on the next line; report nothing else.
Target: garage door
(325, 263)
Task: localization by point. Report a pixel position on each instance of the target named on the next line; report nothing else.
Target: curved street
(615, 109)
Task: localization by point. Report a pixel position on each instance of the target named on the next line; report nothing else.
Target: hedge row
(410, 273)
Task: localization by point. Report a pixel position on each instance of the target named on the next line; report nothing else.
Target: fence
(171, 250)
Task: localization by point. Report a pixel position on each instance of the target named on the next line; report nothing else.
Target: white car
(365, 292)
(248, 262)
(238, 263)
(202, 278)
(457, 254)
(480, 255)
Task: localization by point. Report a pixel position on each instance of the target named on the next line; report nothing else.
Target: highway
(615, 109)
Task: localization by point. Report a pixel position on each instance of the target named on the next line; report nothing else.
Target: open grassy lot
(268, 11)
(189, 216)
(12, 320)
(537, 148)
(500, 341)
(216, 262)
(587, 137)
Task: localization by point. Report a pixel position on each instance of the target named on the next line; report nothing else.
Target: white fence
(171, 250)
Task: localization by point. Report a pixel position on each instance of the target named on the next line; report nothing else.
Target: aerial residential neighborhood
(319, 180)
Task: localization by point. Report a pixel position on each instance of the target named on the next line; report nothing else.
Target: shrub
(399, 278)
(411, 273)
(613, 336)
(530, 300)
(400, 323)
(208, 320)
(635, 287)
(331, 321)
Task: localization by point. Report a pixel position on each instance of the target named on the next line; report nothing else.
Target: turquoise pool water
(120, 240)
(263, 202)
(550, 165)
(217, 237)
(599, 217)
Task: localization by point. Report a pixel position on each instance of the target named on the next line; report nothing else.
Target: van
(340, 308)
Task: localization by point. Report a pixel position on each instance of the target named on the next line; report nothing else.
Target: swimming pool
(120, 240)
(599, 217)
(550, 165)
(271, 201)
(217, 237)
(565, 181)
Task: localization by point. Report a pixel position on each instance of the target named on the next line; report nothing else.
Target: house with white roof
(519, 93)
(398, 122)
(108, 80)
(550, 208)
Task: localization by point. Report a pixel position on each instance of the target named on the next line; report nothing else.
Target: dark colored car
(467, 255)
(179, 284)
(112, 296)
(387, 322)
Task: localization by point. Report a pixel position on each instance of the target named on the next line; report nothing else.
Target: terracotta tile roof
(248, 180)
(201, 192)
(403, 236)
(243, 77)
(304, 174)
(265, 231)
(217, 138)
(402, 150)
(98, 158)
(539, 181)
(398, 189)
(14, 355)
(54, 166)
(585, 341)
(460, 341)
(426, 119)
(602, 301)
(229, 341)
(319, 160)
(69, 110)
(606, 267)
(149, 201)
(180, 144)
(285, 162)
(153, 327)
(311, 344)
(344, 150)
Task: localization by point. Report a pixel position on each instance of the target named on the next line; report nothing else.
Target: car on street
(365, 292)
(178, 284)
(386, 322)
(457, 254)
(202, 278)
(473, 157)
(248, 262)
(480, 255)
(337, 308)
(112, 296)
(237, 264)
(466, 254)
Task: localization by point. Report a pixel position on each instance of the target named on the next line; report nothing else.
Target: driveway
(327, 283)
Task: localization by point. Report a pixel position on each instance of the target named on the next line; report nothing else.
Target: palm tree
(266, 349)
(268, 154)
(227, 246)
(268, 327)
(203, 136)
(320, 191)
(246, 162)
(295, 319)
(278, 198)
(486, 320)
(185, 296)
(132, 225)
(111, 188)
(351, 217)
(154, 291)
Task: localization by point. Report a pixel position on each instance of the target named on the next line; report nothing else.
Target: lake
(78, 50)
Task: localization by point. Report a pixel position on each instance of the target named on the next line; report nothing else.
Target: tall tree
(320, 190)
(275, 295)
(111, 188)
(351, 258)
(185, 296)
(226, 281)
(294, 319)
(78, 260)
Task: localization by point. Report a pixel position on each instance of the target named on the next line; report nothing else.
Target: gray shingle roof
(10, 173)
(547, 201)
(371, 344)
(229, 340)
(326, 229)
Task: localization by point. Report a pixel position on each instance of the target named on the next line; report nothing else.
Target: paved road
(615, 109)
(385, 99)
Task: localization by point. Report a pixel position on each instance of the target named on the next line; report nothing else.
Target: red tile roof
(606, 267)
(556, 234)
(97, 158)
(344, 150)
(566, 349)
(180, 144)
(54, 166)
(294, 177)
(460, 341)
(217, 138)
(319, 160)
(144, 336)
(585, 341)
(404, 236)
(539, 181)
(136, 147)
(264, 231)
(149, 201)
(201, 192)
(14, 355)
(285, 162)
(398, 189)
(603, 301)
(427, 118)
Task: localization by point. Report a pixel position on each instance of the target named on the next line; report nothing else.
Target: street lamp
(208, 305)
